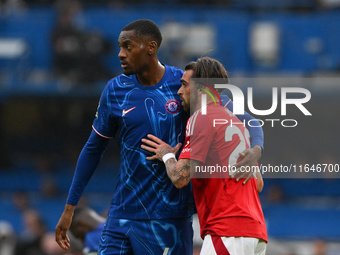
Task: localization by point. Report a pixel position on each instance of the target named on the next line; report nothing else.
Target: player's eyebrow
(124, 41)
(183, 81)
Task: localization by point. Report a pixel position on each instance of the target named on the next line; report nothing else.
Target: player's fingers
(241, 173)
(248, 177)
(155, 138)
(235, 174)
(58, 234)
(154, 157)
(236, 171)
(66, 240)
(64, 244)
(245, 162)
(237, 166)
(240, 176)
(150, 143)
(62, 239)
(177, 147)
(147, 148)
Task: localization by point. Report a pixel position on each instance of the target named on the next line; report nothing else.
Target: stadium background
(46, 111)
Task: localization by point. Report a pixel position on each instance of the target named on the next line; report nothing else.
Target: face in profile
(133, 52)
(184, 90)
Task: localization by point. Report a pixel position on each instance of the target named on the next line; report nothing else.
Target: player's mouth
(124, 65)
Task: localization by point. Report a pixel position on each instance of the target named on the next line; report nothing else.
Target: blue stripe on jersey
(144, 190)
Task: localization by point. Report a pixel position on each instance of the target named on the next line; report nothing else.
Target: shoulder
(174, 72)
(213, 113)
(220, 112)
(197, 120)
(120, 81)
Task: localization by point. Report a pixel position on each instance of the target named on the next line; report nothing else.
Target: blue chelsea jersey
(144, 190)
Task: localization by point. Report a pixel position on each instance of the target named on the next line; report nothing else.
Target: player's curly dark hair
(145, 28)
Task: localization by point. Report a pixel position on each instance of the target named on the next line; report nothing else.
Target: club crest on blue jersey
(172, 106)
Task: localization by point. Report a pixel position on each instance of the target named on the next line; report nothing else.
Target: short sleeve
(199, 136)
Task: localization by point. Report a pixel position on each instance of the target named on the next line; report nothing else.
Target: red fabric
(220, 249)
(224, 207)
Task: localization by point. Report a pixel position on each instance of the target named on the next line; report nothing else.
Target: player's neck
(198, 105)
(152, 74)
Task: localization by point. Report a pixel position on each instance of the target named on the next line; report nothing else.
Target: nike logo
(125, 112)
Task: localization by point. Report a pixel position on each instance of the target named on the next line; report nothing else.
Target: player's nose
(179, 92)
(122, 54)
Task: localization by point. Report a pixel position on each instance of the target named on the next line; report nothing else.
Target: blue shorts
(146, 237)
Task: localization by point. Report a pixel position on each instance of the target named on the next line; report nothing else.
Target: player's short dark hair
(207, 68)
(190, 66)
(145, 28)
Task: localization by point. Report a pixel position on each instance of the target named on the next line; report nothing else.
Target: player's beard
(195, 98)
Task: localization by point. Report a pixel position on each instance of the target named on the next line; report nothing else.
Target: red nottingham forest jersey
(224, 207)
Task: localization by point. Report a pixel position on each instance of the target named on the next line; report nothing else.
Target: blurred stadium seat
(14, 57)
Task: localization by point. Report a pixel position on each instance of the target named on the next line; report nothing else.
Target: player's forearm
(178, 172)
(69, 211)
(88, 161)
(69, 208)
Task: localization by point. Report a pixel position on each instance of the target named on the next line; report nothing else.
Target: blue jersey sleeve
(104, 124)
(88, 161)
(255, 130)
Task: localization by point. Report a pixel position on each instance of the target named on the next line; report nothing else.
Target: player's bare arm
(177, 171)
(63, 225)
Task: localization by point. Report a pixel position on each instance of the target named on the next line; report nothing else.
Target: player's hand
(245, 167)
(156, 146)
(63, 225)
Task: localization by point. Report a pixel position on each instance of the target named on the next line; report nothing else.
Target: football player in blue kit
(148, 214)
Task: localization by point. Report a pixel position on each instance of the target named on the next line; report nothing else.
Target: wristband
(168, 156)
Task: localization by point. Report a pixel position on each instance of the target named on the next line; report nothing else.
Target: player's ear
(152, 47)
